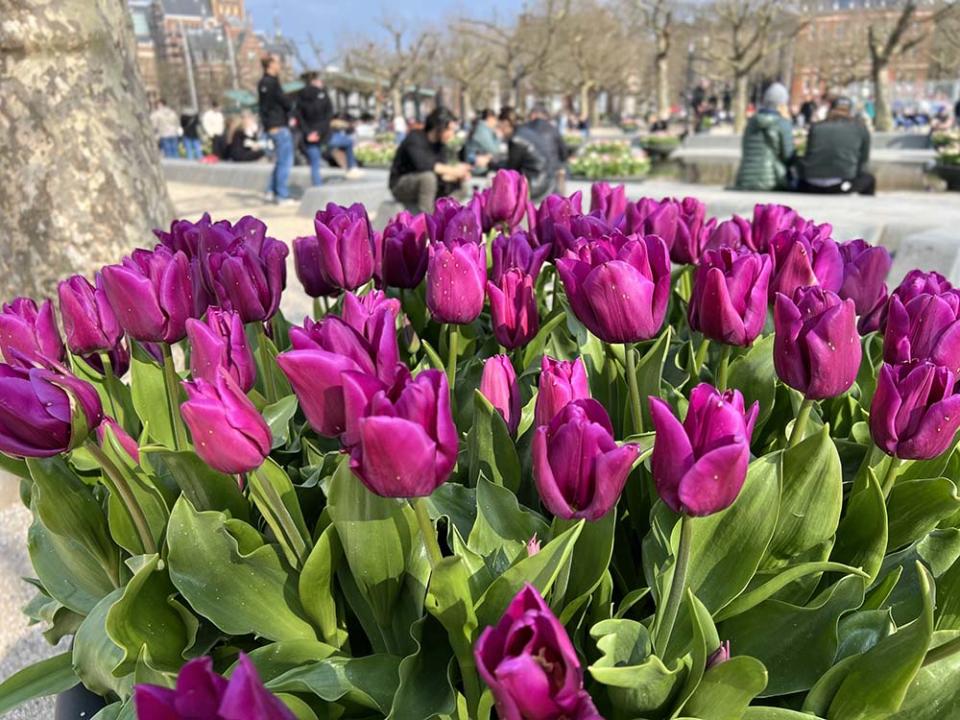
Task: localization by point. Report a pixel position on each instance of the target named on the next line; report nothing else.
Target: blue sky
(332, 21)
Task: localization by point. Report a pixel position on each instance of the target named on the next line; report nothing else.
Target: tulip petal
(715, 480)
(395, 457)
(672, 453)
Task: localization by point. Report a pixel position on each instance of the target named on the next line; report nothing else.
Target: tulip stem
(427, 531)
(635, 408)
(677, 583)
(269, 382)
(800, 424)
(277, 516)
(119, 484)
(890, 476)
(699, 358)
(173, 404)
(453, 339)
(110, 380)
(317, 310)
(724, 370)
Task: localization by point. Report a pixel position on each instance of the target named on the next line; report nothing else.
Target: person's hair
(485, 115)
(266, 61)
(438, 119)
(309, 76)
(508, 115)
(539, 109)
(161, 101)
(233, 127)
(840, 109)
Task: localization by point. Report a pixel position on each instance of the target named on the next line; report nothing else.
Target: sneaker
(282, 202)
(268, 197)
(353, 174)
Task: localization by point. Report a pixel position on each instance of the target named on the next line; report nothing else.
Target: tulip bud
(456, 277)
(927, 327)
(915, 412)
(221, 342)
(530, 664)
(608, 201)
(729, 300)
(306, 259)
(29, 334)
(816, 348)
(454, 224)
(406, 442)
(768, 220)
(346, 246)
(687, 246)
(578, 468)
(88, 320)
(403, 251)
(152, 294)
(553, 219)
(513, 309)
(916, 282)
(720, 655)
(619, 286)
(733, 233)
(516, 251)
(228, 432)
(505, 201)
(122, 436)
(533, 545)
(561, 382)
(499, 385)
(699, 466)
(865, 269)
(802, 258)
(43, 412)
(663, 221)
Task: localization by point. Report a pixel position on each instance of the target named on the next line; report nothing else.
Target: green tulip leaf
(753, 374)
(47, 677)
(457, 503)
(705, 642)
(95, 655)
(758, 712)
(149, 396)
(862, 534)
(915, 507)
(861, 630)
(276, 499)
(449, 600)
(204, 487)
(534, 349)
(727, 689)
(650, 375)
(316, 587)
(274, 659)
(502, 528)
(424, 690)
(490, 448)
(368, 682)
(934, 693)
(278, 416)
(938, 551)
(588, 563)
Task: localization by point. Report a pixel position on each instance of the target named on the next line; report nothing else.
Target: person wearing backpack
(767, 147)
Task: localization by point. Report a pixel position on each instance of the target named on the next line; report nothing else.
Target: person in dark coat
(243, 143)
(313, 110)
(275, 108)
(528, 153)
(838, 150)
(552, 142)
(767, 146)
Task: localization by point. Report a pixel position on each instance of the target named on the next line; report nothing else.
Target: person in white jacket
(166, 125)
(213, 125)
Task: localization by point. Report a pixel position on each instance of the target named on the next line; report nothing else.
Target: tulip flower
(307, 262)
(865, 270)
(802, 258)
(406, 442)
(345, 246)
(916, 282)
(688, 243)
(561, 382)
(456, 278)
(663, 221)
(619, 286)
(927, 327)
(768, 220)
(505, 201)
(915, 413)
(733, 233)
(816, 348)
(403, 251)
(516, 251)
(152, 294)
(513, 309)
(221, 342)
(729, 300)
(123, 437)
(37, 410)
(720, 655)
(88, 320)
(530, 664)
(196, 239)
(202, 693)
(578, 468)
(499, 385)
(608, 201)
(28, 334)
(699, 466)
(454, 224)
(228, 432)
(553, 220)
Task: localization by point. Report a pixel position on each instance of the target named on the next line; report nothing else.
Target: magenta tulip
(346, 246)
(516, 250)
(456, 280)
(402, 261)
(561, 382)
(729, 300)
(29, 334)
(802, 258)
(927, 327)
(505, 201)
(513, 309)
(608, 201)
(88, 320)
(499, 385)
(217, 342)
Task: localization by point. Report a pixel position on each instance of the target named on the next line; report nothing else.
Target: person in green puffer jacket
(767, 149)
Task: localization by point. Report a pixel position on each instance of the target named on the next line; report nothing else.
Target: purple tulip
(195, 239)
(505, 201)
(517, 251)
(816, 349)
(36, 411)
(513, 309)
(405, 443)
(699, 466)
(619, 286)
(768, 220)
(662, 219)
(927, 327)
(152, 294)
(802, 258)
(729, 300)
(561, 382)
(456, 279)
(915, 411)
(916, 282)
(307, 262)
(346, 246)
(733, 233)
(720, 655)
(228, 432)
(578, 468)
(687, 246)
(119, 359)
(28, 334)
(530, 664)
(454, 224)
(499, 385)
(220, 341)
(865, 270)
(202, 693)
(608, 201)
(553, 220)
(122, 436)
(402, 261)
(88, 320)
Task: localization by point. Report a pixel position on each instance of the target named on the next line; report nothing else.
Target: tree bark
(883, 118)
(467, 109)
(740, 103)
(663, 86)
(80, 176)
(396, 98)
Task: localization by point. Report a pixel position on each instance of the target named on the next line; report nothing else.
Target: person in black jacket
(275, 110)
(243, 143)
(190, 124)
(837, 153)
(551, 141)
(313, 111)
(528, 153)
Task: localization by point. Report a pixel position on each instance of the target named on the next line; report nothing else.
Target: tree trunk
(396, 99)
(467, 105)
(80, 176)
(740, 103)
(883, 118)
(663, 86)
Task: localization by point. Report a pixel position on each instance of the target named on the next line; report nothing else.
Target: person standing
(213, 127)
(275, 108)
(166, 127)
(190, 124)
(838, 150)
(767, 146)
(313, 111)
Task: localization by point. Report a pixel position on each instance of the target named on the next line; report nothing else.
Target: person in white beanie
(767, 147)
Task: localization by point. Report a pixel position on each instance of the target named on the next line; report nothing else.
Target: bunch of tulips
(539, 463)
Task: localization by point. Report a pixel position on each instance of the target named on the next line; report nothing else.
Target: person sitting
(420, 172)
(527, 153)
(340, 145)
(767, 146)
(243, 139)
(483, 138)
(551, 142)
(313, 110)
(838, 150)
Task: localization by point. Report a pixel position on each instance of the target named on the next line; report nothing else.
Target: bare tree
(466, 61)
(657, 20)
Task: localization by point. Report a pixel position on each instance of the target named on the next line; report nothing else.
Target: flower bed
(376, 154)
(552, 464)
(609, 159)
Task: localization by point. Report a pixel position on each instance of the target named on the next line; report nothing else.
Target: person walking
(213, 126)
(190, 124)
(313, 111)
(275, 108)
(838, 150)
(767, 146)
(166, 127)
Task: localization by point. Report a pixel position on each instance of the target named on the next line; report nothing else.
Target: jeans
(168, 146)
(283, 148)
(193, 148)
(314, 153)
(342, 141)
